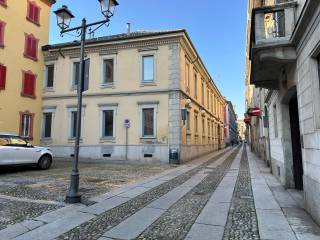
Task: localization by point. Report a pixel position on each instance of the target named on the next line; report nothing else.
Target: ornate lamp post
(64, 17)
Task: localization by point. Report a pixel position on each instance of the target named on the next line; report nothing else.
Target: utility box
(174, 156)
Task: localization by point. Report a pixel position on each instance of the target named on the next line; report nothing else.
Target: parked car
(15, 150)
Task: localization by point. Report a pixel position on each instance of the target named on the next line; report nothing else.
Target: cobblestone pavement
(226, 195)
(19, 186)
(177, 221)
(242, 221)
(96, 227)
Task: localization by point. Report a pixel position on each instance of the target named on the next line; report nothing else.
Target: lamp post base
(73, 199)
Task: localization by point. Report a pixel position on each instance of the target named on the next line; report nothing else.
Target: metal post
(126, 144)
(73, 195)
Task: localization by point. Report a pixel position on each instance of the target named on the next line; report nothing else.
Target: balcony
(271, 47)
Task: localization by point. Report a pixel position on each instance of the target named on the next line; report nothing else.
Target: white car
(14, 150)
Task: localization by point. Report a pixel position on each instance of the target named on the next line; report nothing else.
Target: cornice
(111, 47)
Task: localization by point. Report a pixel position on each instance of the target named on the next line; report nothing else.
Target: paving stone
(153, 183)
(133, 226)
(134, 192)
(105, 205)
(205, 232)
(13, 231)
(53, 216)
(56, 228)
(31, 224)
(214, 214)
(263, 197)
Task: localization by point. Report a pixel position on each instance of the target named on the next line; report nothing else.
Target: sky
(217, 29)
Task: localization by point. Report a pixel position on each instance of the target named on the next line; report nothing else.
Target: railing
(274, 20)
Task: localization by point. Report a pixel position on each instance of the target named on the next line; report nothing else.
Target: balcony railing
(273, 21)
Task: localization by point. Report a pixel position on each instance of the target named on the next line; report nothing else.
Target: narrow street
(229, 194)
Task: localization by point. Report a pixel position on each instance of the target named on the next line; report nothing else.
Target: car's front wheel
(44, 162)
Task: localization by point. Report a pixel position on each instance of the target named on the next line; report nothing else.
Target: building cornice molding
(112, 47)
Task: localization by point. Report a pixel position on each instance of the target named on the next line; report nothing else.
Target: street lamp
(64, 16)
(108, 7)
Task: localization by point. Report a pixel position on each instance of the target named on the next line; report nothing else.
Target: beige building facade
(149, 95)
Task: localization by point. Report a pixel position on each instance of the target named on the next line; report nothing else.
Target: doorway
(296, 143)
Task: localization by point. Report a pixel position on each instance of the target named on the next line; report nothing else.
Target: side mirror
(29, 145)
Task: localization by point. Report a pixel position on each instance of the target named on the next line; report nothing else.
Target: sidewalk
(224, 195)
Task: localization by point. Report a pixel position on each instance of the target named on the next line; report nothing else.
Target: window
(108, 71)
(4, 140)
(275, 121)
(17, 142)
(26, 124)
(3, 73)
(49, 76)
(202, 93)
(208, 98)
(75, 73)
(195, 79)
(187, 77)
(47, 124)
(108, 123)
(203, 131)
(3, 3)
(28, 84)
(33, 13)
(31, 47)
(2, 27)
(196, 123)
(188, 121)
(73, 124)
(148, 69)
(148, 122)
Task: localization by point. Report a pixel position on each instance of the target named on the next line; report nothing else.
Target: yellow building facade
(154, 82)
(24, 28)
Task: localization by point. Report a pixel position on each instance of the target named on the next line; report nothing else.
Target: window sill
(188, 132)
(49, 89)
(32, 21)
(30, 57)
(108, 140)
(146, 84)
(148, 140)
(46, 140)
(28, 96)
(107, 85)
(72, 140)
(3, 4)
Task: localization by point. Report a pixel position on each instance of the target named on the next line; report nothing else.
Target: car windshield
(17, 141)
(4, 140)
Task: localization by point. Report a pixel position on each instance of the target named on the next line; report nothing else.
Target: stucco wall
(12, 57)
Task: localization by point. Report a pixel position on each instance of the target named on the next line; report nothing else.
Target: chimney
(128, 28)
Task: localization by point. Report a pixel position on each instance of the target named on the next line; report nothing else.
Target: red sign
(256, 112)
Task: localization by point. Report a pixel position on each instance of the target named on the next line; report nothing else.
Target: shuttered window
(28, 84)
(33, 13)
(3, 3)
(3, 74)
(31, 47)
(2, 27)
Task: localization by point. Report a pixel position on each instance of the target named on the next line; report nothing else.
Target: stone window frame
(115, 63)
(45, 76)
(144, 105)
(51, 110)
(187, 75)
(114, 108)
(315, 76)
(195, 83)
(275, 120)
(73, 87)
(155, 72)
(70, 109)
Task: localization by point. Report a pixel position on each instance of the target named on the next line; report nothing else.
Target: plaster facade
(169, 94)
(12, 103)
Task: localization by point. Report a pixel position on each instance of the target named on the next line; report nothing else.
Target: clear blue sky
(217, 29)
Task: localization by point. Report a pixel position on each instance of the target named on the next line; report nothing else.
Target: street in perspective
(149, 120)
